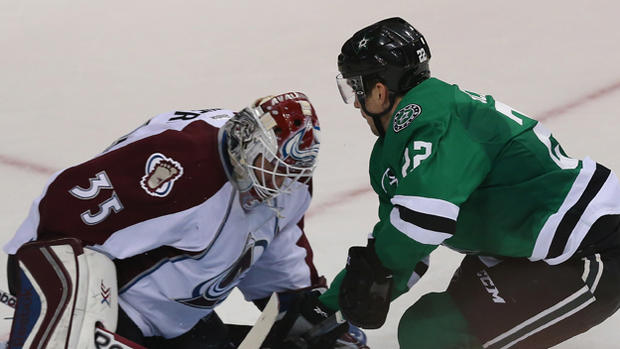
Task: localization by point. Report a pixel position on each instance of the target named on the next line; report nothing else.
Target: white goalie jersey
(158, 203)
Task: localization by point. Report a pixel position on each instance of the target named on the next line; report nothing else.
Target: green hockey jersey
(463, 170)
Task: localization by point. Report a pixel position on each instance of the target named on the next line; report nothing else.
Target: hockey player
(177, 213)
(457, 168)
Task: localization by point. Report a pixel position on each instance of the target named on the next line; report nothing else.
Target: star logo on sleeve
(405, 116)
(362, 44)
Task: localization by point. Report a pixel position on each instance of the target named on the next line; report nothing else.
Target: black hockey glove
(303, 315)
(365, 291)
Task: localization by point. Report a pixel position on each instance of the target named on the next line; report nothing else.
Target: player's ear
(376, 92)
(382, 93)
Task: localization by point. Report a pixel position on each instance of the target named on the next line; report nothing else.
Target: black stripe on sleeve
(420, 268)
(427, 221)
(572, 216)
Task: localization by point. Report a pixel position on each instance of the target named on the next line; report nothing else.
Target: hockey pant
(515, 304)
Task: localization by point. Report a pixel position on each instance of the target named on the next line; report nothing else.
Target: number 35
(113, 204)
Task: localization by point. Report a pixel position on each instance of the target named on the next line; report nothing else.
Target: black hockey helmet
(390, 51)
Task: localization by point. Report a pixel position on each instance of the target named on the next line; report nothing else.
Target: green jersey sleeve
(435, 163)
(444, 151)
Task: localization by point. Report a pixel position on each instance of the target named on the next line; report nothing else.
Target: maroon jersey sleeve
(154, 176)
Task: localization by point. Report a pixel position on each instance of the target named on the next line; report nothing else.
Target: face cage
(262, 179)
(351, 88)
(266, 174)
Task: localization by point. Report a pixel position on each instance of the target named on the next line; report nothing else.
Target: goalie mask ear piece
(261, 100)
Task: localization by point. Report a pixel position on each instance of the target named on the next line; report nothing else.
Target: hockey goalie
(144, 240)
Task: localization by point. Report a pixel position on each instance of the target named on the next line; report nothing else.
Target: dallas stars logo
(405, 116)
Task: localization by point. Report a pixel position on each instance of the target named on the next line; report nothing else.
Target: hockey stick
(255, 338)
(104, 339)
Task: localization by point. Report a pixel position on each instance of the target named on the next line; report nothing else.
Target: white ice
(75, 75)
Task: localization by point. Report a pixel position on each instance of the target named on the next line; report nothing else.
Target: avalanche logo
(292, 145)
(161, 173)
(210, 293)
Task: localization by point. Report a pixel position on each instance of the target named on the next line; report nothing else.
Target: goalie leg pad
(64, 291)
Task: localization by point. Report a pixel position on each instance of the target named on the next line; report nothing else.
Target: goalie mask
(271, 144)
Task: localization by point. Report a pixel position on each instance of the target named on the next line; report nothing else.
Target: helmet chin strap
(376, 117)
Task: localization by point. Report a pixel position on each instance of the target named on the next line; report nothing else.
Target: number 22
(544, 136)
(417, 159)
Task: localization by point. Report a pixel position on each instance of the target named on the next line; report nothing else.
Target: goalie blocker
(65, 293)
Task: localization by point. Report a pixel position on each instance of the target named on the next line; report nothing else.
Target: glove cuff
(313, 310)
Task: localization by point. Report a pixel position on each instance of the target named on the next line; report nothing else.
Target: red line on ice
(338, 199)
(351, 194)
(551, 113)
(557, 111)
(25, 165)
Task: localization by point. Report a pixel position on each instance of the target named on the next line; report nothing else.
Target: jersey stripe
(542, 320)
(543, 242)
(427, 221)
(416, 232)
(573, 215)
(593, 270)
(591, 196)
(604, 203)
(431, 206)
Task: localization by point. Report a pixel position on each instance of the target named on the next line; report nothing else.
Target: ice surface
(75, 75)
